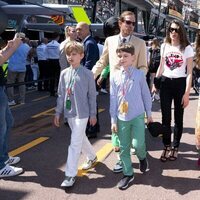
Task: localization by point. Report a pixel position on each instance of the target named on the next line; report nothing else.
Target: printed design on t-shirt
(174, 60)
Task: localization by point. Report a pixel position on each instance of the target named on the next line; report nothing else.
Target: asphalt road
(43, 151)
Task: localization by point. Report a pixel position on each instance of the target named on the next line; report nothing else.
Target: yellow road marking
(28, 146)
(42, 113)
(101, 155)
(38, 99)
(101, 110)
(51, 109)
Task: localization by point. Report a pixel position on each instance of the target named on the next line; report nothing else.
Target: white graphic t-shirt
(175, 60)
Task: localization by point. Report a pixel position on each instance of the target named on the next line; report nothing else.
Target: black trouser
(29, 75)
(43, 69)
(54, 74)
(172, 89)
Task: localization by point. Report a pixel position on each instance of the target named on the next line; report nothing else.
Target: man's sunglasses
(171, 30)
(128, 22)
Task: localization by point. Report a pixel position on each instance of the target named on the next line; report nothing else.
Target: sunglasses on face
(128, 22)
(171, 30)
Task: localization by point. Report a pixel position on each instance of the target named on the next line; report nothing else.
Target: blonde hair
(74, 46)
(67, 28)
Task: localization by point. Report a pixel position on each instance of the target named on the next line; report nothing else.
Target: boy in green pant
(129, 100)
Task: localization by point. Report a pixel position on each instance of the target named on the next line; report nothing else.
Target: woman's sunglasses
(171, 30)
(128, 22)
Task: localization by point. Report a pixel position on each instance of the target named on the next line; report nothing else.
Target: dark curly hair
(182, 34)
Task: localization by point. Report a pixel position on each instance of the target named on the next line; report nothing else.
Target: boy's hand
(93, 121)
(149, 119)
(56, 121)
(114, 128)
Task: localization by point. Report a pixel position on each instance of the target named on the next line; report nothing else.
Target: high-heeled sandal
(173, 154)
(165, 154)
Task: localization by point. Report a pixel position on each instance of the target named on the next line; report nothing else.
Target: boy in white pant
(77, 98)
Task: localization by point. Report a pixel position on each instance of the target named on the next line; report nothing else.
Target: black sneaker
(144, 165)
(124, 182)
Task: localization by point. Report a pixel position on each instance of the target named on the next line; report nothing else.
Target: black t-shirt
(2, 78)
(154, 59)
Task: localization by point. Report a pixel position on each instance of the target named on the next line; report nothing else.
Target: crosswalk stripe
(28, 146)
(43, 113)
(101, 155)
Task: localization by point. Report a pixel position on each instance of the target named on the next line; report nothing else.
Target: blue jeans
(6, 122)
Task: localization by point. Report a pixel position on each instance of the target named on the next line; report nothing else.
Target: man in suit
(126, 23)
(109, 56)
(91, 55)
(91, 51)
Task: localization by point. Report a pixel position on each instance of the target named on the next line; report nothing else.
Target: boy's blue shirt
(83, 98)
(138, 95)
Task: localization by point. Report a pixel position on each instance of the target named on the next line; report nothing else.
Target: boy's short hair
(74, 46)
(128, 48)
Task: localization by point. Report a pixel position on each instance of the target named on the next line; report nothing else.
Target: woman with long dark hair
(176, 71)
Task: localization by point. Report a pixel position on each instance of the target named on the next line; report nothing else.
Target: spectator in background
(154, 62)
(53, 54)
(43, 65)
(29, 71)
(91, 55)
(6, 119)
(17, 71)
(34, 62)
(70, 35)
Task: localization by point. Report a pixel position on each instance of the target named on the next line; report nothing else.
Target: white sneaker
(104, 91)
(132, 151)
(8, 171)
(118, 167)
(12, 160)
(12, 103)
(89, 164)
(68, 182)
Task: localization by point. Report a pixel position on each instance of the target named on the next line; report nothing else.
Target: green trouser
(115, 139)
(131, 133)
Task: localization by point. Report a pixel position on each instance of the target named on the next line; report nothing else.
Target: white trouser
(79, 142)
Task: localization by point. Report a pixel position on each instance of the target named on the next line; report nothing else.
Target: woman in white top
(176, 71)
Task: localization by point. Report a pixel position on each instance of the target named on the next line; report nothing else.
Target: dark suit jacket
(91, 53)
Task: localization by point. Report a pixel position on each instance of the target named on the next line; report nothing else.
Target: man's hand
(15, 43)
(99, 81)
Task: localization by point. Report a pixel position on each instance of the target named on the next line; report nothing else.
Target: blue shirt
(129, 86)
(17, 62)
